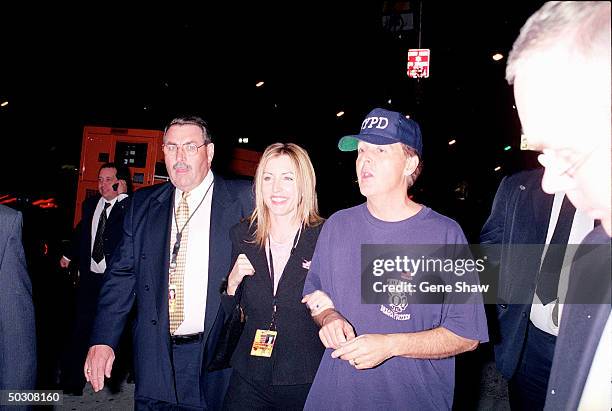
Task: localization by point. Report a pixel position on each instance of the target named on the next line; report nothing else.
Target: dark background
(139, 67)
(64, 67)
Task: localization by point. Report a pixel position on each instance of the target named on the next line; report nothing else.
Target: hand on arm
(317, 302)
(366, 351)
(99, 363)
(242, 267)
(335, 329)
(369, 350)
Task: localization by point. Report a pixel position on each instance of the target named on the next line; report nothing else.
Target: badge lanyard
(296, 239)
(179, 233)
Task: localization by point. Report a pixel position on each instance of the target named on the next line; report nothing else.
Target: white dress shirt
(101, 266)
(542, 315)
(195, 280)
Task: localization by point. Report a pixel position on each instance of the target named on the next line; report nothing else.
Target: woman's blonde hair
(307, 211)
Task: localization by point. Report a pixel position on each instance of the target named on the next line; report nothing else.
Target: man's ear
(210, 151)
(412, 162)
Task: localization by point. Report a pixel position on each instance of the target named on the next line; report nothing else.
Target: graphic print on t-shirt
(398, 302)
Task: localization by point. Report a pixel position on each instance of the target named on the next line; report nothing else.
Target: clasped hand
(242, 267)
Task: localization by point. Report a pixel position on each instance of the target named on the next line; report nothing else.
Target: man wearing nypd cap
(385, 356)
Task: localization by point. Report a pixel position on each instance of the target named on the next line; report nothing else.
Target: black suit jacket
(80, 250)
(17, 328)
(298, 349)
(139, 273)
(520, 215)
(581, 324)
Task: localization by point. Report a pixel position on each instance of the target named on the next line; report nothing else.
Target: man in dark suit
(560, 66)
(95, 239)
(523, 219)
(174, 255)
(18, 336)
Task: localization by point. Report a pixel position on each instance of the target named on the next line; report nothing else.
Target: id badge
(263, 344)
(171, 297)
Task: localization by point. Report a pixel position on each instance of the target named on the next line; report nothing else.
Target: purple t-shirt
(398, 383)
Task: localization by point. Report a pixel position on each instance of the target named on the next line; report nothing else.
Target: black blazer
(80, 251)
(581, 324)
(520, 215)
(298, 349)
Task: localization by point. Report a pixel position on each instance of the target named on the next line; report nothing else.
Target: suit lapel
(159, 214)
(291, 277)
(218, 238)
(530, 211)
(542, 207)
(117, 210)
(262, 269)
(87, 219)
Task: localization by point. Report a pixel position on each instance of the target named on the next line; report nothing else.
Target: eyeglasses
(573, 168)
(189, 148)
(551, 161)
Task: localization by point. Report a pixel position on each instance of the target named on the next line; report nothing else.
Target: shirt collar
(112, 202)
(198, 192)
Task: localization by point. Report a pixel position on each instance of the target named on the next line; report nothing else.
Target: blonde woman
(279, 350)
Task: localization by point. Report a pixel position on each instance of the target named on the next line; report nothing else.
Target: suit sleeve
(117, 294)
(493, 230)
(72, 251)
(229, 301)
(316, 277)
(17, 326)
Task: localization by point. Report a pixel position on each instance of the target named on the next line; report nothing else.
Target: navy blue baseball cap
(383, 127)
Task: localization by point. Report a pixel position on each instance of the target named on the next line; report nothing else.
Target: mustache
(181, 165)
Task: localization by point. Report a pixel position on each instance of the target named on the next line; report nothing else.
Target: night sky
(65, 68)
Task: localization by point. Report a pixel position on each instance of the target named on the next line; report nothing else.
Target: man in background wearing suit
(560, 66)
(174, 254)
(95, 239)
(523, 219)
(17, 328)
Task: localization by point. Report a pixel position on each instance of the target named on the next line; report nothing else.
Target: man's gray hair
(584, 27)
(191, 120)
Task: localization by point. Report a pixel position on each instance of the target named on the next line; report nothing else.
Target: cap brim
(350, 143)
